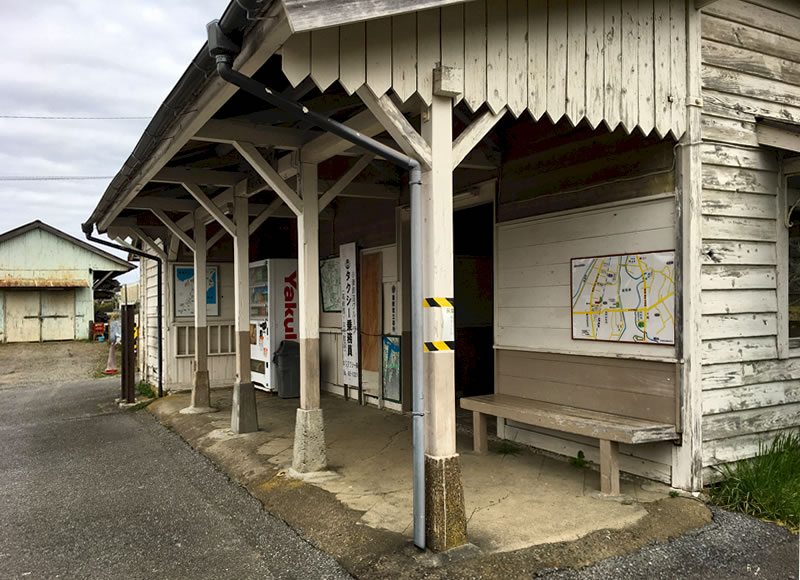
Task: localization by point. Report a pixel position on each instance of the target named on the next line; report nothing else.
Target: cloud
(84, 58)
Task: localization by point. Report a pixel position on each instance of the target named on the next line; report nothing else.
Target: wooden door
(22, 316)
(58, 314)
(371, 313)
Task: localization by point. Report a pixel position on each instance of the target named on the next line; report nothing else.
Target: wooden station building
(608, 190)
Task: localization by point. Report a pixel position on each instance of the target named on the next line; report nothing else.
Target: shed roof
(40, 225)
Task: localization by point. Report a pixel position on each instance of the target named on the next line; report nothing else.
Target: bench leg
(609, 467)
(479, 431)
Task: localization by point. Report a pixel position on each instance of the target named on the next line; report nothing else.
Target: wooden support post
(244, 418)
(201, 388)
(308, 267)
(444, 496)
(480, 432)
(609, 467)
(687, 459)
(309, 438)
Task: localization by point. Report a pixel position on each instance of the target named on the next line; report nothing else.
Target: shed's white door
(22, 316)
(58, 314)
(36, 315)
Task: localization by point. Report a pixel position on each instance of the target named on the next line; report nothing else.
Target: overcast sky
(84, 58)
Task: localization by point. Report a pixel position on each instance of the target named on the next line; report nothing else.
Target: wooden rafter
(212, 208)
(396, 124)
(151, 202)
(198, 175)
(173, 227)
(270, 175)
(344, 181)
(267, 213)
(473, 134)
(230, 130)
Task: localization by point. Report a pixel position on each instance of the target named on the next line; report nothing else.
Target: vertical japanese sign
(347, 264)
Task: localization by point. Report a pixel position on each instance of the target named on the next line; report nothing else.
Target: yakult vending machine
(273, 316)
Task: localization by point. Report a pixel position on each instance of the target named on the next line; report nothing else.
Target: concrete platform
(514, 500)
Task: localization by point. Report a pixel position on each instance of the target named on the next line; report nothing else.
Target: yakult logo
(289, 293)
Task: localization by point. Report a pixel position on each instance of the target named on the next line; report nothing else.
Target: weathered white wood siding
(751, 68)
(532, 315)
(532, 292)
(221, 367)
(148, 320)
(622, 63)
(178, 370)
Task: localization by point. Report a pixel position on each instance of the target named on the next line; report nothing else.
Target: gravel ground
(733, 547)
(88, 491)
(32, 363)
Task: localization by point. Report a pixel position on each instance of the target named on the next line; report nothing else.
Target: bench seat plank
(596, 424)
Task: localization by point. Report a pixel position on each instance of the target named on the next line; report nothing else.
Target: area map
(624, 298)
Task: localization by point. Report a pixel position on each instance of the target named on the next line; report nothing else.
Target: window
(220, 340)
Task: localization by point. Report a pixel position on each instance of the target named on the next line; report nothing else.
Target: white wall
(532, 293)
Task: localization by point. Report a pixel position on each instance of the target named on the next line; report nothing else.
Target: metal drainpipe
(87, 230)
(224, 49)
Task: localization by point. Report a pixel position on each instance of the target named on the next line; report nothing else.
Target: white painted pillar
(687, 460)
(444, 496)
(201, 388)
(309, 439)
(244, 418)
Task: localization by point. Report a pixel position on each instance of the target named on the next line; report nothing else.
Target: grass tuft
(766, 486)
(145, 390)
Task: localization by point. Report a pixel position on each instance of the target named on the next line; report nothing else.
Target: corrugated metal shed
(46, 279)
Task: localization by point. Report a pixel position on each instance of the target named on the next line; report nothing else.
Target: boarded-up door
(22, 316)
(371, 314)
(58, 314)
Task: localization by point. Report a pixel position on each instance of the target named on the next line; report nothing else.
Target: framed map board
(183, 284)
(330, 284)
(391, 371)
(624, 298)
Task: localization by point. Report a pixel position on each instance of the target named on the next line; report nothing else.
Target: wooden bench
(610, 429)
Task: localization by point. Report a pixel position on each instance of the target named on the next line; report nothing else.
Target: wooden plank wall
(612, 61)
(532, 287)
(751, 68)
(148, 321)
(549, 168)
(633, 388)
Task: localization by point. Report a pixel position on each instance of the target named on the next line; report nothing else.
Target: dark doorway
(473, 239)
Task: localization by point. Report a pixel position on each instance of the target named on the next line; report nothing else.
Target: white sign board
(183, 283)
(624, 298)
(349, 273)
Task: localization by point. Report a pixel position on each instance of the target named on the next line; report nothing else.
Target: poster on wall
(390, 369)
(330, 283)
(349, 288)
(624, 298)
(183, 284)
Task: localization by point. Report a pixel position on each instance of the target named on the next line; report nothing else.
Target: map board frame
(330, 284)
(391, 383)
(212, 304)
(605, 256)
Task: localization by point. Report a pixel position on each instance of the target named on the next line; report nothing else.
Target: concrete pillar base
(310, 453)
(244, 417)
(201, 390)
(198, 410)
(445, 516)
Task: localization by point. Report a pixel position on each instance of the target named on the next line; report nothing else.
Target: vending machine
(273, 316)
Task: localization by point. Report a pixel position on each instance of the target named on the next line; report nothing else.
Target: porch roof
(600, 63)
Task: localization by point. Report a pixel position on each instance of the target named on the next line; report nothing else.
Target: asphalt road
(88, 491)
